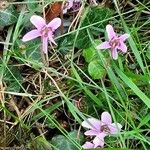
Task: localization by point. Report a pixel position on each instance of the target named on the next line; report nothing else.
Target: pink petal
(124, 37)
(45, 44)
(88, 145)
(110, 32)
(38, 22)
(99, 140)
(114, 53)
(54, 24)
(50, 36)
(115, 128)
(92, 123)
(91, 132)
(31, 35)
(70, 4)
(103, 45)
(65, 11)
(122, 47)
(106, 118)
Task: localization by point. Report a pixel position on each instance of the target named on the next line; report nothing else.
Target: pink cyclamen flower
(101, 128)
(42, 29)
(71, 4)
(114, 42)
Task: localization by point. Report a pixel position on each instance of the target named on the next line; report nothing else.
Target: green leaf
(94, 19)
(65, 44)
(8, 16)
(13, 79)
(39, 144)
(30, 51)
(62, 143)
(32, 5)
(96, 70)
(89, 54)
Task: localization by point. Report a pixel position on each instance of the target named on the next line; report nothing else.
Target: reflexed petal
(114, 53)
(31, 35)
(70, 4)
(45, 44)
(115, 128)
(103, 45)
(91, 132)
(110, 32)
(99, 140)
(106, 118)
(92, 123)
(122, 47)
(38, 22)
(54, 24)
(88, 145)
(65, 11)
(124, 37)
(50, 36)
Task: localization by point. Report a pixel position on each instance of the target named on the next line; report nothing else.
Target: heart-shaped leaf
(8, 16)
(96, 70)
(62, 143)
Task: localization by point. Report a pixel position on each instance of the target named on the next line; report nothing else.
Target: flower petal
(65, 11)
(50, 36)
(103, 45)
(31, 35)
(122, 47)
(99, 140)
(54, 24)
(91, 132)
(88, 145)
(38, 22)
(114, 53)
(124, 37)
(115, 128)
(45, 44)
(110, 32)
(106, 118)
(70, 4)
(92, 123)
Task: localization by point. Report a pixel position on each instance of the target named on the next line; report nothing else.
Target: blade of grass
(135, 89)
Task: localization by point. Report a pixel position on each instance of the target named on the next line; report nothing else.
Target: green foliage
(8, 16)
(96, 70)
(39, 144)
(65, 44)
(136, 90)
(97, 17)
(94, 15)
(30, 50)
(89, 54)
(95, 64)
(32, 5)
(148, 53)
(13, 78)
(62, 143)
